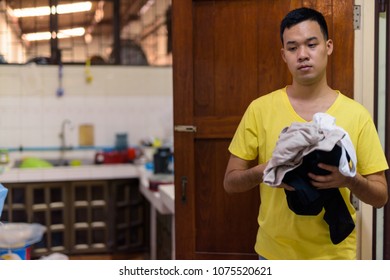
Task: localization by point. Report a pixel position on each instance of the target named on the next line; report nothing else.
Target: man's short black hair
(302, 14)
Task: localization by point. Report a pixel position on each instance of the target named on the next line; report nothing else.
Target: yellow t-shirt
(283, 234)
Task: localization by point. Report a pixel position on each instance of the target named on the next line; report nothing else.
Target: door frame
(383, 216)
(386, 241)
(364, 92)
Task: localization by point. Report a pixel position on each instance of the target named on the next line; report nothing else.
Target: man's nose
(302, 53)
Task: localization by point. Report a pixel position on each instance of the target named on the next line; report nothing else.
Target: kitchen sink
(47, 163)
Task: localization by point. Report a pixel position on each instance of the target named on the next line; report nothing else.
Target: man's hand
(333, 180)
(370, 188)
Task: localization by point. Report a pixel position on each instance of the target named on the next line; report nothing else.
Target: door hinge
(185, 128)
(382, 6)
(356, 17)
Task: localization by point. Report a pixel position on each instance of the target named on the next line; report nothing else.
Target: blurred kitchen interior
(107, 67)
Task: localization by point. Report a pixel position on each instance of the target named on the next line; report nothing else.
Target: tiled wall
(121, 99)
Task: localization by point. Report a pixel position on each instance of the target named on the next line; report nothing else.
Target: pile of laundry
(299, 150)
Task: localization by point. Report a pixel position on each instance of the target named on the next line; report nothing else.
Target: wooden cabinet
(81, 217)
(163, 236)
(89, 216)
(43, 203)
(130, 215)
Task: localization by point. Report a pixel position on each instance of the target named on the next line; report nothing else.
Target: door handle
(185, 128)
(184, 189)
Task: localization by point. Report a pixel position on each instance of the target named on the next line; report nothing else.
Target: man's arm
(241, 175)
(371, 189)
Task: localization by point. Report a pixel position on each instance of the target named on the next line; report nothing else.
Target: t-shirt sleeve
(369, 151)
(245, 140)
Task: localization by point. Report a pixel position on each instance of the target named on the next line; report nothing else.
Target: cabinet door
(48, 207)
(129, 217)
(225, 54)
(89, 218)
(42, 203)
(15, 205)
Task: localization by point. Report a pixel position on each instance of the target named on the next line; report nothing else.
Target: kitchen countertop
(167, 193)
(161, 200)
(71, 173)
(154, 197)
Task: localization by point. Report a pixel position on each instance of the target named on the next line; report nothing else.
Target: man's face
(306, 52)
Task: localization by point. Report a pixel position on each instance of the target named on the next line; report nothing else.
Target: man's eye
(312, 45)
(291, 49)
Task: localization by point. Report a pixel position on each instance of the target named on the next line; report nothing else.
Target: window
(126, 32)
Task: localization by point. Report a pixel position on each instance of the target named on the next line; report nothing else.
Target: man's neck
(309, 92)
(310, 99)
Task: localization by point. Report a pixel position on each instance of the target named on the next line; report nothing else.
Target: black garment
(307, 200)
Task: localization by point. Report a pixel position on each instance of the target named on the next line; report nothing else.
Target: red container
(111, 157)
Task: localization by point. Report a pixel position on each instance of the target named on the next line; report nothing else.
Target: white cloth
(300, 139)
(328, 123)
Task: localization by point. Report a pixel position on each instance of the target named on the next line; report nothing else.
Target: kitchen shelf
(98, 216)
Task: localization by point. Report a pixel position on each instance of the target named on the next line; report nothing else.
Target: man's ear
(282, 50)
(329, 46)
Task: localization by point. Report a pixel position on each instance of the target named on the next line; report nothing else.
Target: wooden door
(225, 54)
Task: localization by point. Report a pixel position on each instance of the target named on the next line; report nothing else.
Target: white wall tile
(133, 100)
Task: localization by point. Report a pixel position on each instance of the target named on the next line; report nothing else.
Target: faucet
(62, 136)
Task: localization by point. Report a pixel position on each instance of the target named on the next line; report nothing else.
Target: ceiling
(129, 10)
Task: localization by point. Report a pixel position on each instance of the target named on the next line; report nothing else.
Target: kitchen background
(51, 89)
(38, 102)
(132, 100)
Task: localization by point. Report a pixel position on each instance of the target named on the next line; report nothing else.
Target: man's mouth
(304, 67)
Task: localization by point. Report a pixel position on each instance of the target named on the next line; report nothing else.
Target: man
(283, 234)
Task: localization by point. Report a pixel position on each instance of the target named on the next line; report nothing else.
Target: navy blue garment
(308, 200)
